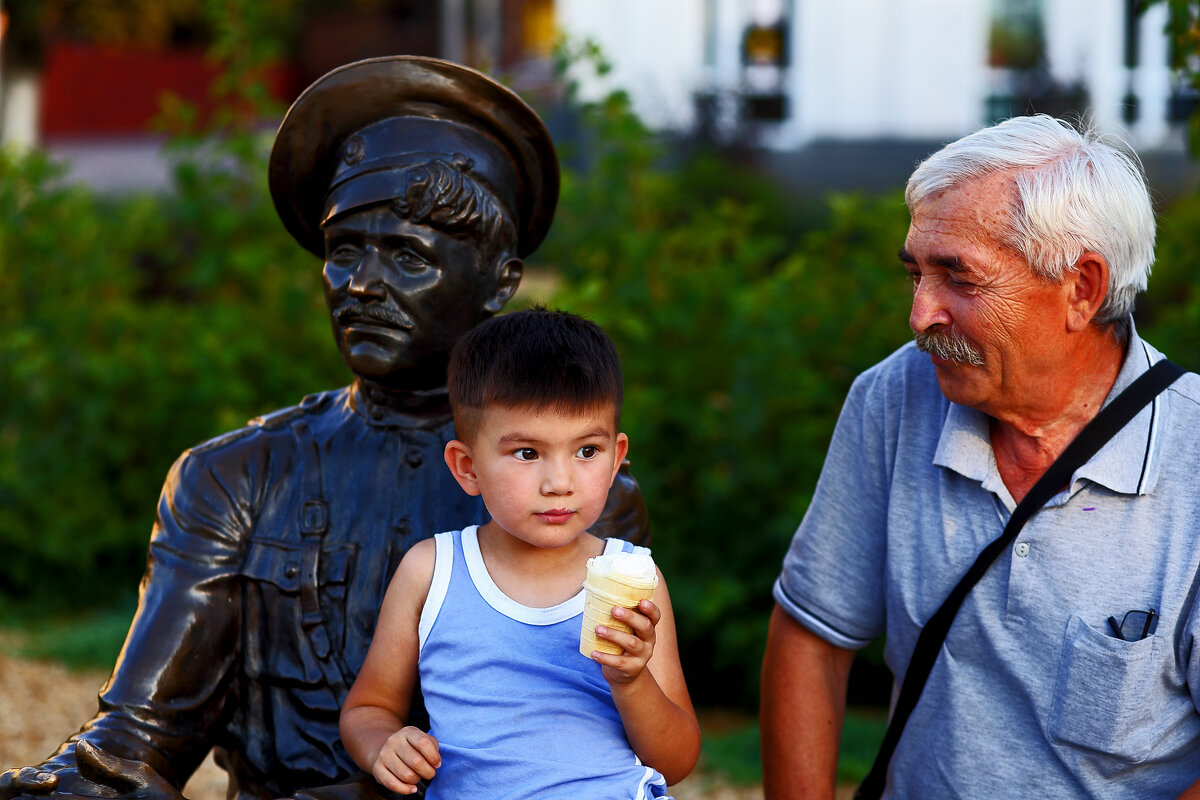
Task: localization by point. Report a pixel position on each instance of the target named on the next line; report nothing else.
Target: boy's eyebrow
(519, 437)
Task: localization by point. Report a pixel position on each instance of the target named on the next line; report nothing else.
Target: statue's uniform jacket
(271, 552)
(228, 647)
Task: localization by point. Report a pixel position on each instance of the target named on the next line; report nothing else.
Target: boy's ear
(462, 466)
(622, 450)
(508, 279)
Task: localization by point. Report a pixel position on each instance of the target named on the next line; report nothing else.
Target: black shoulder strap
(1103, 427)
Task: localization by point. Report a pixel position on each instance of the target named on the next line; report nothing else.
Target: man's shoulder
(905, 374)
(267, 429)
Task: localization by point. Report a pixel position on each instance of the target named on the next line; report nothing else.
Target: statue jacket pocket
(277, 638)
(1108, 697)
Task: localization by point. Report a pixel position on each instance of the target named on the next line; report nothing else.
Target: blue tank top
(517, 711)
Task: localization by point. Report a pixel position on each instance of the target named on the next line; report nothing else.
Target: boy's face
(544, 475)
(401, 294)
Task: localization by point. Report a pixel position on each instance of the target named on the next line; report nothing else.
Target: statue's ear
(508, 278)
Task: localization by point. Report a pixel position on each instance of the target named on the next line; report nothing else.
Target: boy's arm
(653, 702)
(373, 718)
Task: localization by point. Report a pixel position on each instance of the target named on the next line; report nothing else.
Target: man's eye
(525, 454)
(588, 451)
(410, 261)
(344, 254)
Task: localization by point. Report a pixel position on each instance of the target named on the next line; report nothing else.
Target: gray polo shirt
(1032, 695)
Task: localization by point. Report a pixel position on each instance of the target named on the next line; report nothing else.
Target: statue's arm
(168, 690)
(624, 515)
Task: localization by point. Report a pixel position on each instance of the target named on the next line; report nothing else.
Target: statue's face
(400, 295)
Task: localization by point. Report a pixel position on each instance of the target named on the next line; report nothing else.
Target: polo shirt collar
(1127, 463)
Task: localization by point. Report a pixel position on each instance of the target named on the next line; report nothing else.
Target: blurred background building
(858, 85)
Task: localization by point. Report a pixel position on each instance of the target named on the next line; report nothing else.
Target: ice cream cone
(605, 588)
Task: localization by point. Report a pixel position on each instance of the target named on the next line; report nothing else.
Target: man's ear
(462, 466)
(1088, 285)
(508, 278)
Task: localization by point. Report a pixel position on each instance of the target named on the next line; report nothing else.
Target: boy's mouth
(555, 516)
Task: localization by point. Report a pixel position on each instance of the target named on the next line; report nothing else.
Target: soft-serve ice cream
(613, 579)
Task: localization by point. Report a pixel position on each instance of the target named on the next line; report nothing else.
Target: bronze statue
(421, 184)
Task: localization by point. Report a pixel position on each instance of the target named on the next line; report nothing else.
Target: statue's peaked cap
(348, 134)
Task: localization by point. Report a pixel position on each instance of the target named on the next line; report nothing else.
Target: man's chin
(375, 363)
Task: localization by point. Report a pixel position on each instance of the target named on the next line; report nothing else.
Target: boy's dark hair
(547, 360)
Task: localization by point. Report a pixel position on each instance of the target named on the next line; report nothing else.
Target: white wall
(886, 68)
(867, 69)
(656, 47)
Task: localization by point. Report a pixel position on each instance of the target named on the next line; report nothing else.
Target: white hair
(1077, 191)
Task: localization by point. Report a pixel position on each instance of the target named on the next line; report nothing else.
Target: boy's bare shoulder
(418, 561)
(414, 576)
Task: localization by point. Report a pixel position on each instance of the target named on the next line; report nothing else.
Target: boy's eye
(525, 454)
(588, 451)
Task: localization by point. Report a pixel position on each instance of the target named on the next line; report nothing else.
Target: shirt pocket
(276, 645)
(1108, 698)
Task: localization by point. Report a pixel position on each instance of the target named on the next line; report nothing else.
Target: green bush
(130, 329)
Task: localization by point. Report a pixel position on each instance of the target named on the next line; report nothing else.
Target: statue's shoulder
(270, 426)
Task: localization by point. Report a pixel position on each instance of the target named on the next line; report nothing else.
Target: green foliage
(733, 752)
(87, 641)
(1183, 28)
(1168, 314)
(131, 328)
(739, 335)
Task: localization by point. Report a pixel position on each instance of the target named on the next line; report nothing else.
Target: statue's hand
(26, 781)
(121, 777)
(96, 774)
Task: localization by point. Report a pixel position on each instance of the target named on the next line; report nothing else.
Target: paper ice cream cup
(617, 579)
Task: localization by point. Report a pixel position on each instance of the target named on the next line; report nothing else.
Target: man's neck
(1028, 440)
(400, 407)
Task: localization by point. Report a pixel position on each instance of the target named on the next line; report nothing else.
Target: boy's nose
(557, 479)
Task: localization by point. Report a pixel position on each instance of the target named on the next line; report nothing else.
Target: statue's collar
(390, 408)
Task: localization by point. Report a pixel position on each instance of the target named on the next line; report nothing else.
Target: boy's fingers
(427, 746)
(390, 779)
(632, 645)
(653, 612)
(642, 625)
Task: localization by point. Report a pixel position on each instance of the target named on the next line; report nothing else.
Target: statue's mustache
(369, 312)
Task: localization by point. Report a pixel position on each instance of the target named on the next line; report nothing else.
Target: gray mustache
(949, 346)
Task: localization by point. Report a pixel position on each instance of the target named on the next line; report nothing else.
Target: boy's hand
(407, 756)
(638, 645)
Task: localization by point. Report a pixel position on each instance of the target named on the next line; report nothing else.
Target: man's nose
(367, 279)
(928, 309)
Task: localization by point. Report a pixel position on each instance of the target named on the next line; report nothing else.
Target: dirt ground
(42, 704)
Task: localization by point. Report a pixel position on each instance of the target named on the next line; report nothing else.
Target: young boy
(489, 617)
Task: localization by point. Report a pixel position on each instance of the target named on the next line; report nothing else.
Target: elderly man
(422, 185)
(1070, 670)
